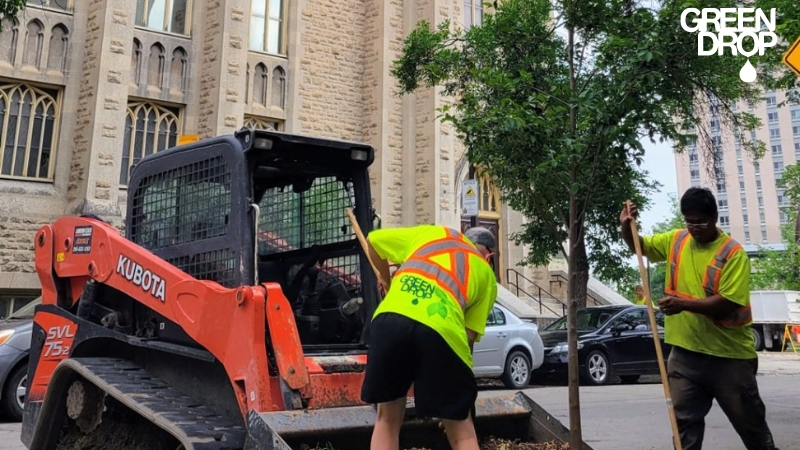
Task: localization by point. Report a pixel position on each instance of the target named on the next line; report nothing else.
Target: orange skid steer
(232, 314)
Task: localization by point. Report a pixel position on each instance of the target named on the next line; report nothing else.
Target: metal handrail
(560, 278)
(541, 291)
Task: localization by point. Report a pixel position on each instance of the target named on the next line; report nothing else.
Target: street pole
(473, 221)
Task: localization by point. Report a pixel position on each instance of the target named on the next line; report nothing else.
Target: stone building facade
(88, 87)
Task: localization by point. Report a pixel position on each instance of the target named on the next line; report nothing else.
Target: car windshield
(27, 311)
(588, 320)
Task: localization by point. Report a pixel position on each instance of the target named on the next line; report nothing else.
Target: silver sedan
(510, 349)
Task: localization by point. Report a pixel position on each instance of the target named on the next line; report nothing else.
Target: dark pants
(696, 379)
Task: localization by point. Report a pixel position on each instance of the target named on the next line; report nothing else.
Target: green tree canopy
(780, 269)
(553, 100)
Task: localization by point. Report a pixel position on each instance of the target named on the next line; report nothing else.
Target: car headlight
(563, 348)
(5, 335)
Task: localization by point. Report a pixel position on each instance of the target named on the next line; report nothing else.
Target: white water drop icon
(748, 72)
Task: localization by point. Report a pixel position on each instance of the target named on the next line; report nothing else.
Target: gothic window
(260, 123)
(8, 40)
(136, 62)
(179, 69)
(266, 26)
(279, 87)
(172, 16)
(59, 49)
(28, 131)
(33, 44)
(63, 5)
(260, 85)
(155, 66)
(149, 128)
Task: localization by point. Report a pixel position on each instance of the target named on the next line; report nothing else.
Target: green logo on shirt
(423, 290)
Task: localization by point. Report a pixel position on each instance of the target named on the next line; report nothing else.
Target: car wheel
(597, 368)
(518, 370)
(14, 393)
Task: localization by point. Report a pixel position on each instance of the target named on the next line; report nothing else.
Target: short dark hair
(700, 201)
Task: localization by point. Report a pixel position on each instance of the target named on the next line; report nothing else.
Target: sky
(659, 162)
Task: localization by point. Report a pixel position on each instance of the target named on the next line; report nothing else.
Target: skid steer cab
(233, 313)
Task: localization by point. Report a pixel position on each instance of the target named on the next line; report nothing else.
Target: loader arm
(231, 324)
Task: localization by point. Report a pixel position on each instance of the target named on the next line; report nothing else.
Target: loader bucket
(513, 416)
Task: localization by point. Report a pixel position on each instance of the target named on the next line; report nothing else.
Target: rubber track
(194, 424)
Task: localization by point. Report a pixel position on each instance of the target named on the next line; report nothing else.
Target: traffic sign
(792, 57)
(469, 198)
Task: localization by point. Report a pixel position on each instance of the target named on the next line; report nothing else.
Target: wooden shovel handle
(656, 339)
(364, 246)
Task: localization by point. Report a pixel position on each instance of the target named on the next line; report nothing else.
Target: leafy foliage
(780, 270)
(774, 73)
(9, 9)
(557, 119)
(566, 122)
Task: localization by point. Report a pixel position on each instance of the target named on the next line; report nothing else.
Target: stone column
(222, 65)
(427, 131)
(100, 115)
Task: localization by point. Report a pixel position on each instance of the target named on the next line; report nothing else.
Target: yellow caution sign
(792, 57)
(470, 192)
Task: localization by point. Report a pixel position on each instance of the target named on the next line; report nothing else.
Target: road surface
(634, 416)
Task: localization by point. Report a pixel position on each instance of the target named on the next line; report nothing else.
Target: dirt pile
(503, 444)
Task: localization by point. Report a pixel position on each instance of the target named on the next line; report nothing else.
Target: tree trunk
(581, 277)
(573, 290)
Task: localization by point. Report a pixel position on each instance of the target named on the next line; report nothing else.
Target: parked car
(510, 349)
(15, 343)
(613, 340)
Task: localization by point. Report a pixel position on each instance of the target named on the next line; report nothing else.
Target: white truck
(772, 312)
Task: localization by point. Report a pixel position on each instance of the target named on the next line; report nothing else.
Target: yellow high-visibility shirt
(697, 332)
(428, 300)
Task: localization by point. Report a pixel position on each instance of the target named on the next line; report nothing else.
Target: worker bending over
(423, 331)
(707, 304)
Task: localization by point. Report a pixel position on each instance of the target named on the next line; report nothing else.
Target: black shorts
(403, 351)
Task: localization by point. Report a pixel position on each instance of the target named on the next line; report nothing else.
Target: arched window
(178, 73)
(260, 85)
(33, 44)
(155, 66)
(279, 87)
(149, 128)
(8, 40)
(28, 131)
(59, 48)
(136, 62)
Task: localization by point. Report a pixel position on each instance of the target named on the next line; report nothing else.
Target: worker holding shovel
(423, 331)
(707, 304)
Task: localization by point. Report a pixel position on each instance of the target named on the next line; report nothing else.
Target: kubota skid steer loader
(232, 315)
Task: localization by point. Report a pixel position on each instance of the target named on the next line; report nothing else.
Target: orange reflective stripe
(711, 278)
(714, 270)
(454, 281)
(680, 239)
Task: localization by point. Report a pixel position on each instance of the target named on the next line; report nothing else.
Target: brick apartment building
(88, 87)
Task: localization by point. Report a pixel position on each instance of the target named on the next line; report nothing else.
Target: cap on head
(482, 236)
